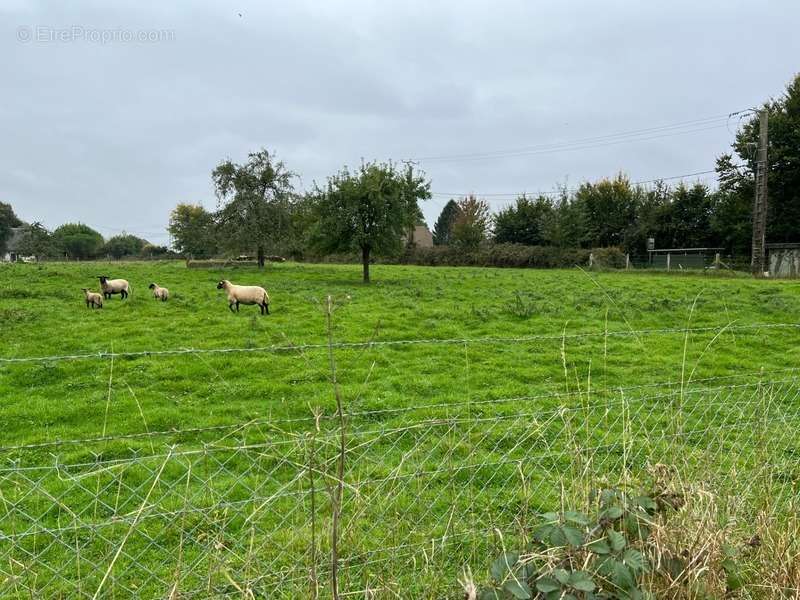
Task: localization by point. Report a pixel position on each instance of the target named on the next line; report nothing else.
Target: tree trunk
(261, 257)
(365, 262)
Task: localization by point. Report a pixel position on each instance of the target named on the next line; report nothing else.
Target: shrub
(580, 557)
(609, 258)
(518, 256)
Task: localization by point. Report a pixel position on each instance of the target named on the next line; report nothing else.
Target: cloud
(116, 133)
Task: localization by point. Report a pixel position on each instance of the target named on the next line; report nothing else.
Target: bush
(581, 556)
(519, 256)
(498, 255)
(609, 258)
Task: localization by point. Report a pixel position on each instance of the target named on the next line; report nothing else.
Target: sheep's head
(84, 290)
(151, 286)
(221, 284)
(102, 278)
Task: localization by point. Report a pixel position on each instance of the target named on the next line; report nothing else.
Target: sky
(113, 113)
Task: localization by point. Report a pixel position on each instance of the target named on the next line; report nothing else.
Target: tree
(443, 228)
(302, 217)
(732, 220)
(523, 222)
(152, 251)
(565, 225)
(370, 211)
(687, 223)
(471, 227)
(256, 199)
(124, 245)
(7, 220)
(193, 230)
(783, 177)
(608, 207)
(37, 241)
(78, 241)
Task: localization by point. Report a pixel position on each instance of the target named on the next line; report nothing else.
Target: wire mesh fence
(248, 509)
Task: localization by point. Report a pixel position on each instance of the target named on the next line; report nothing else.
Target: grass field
(522, 389)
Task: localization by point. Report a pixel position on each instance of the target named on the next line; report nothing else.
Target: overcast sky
(100, 127)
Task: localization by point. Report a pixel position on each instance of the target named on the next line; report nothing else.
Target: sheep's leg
(237, 306)
(231, 307)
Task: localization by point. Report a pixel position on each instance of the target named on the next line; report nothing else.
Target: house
(11, 252)
(421, 237)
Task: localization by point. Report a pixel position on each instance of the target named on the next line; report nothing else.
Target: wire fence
(385, 502)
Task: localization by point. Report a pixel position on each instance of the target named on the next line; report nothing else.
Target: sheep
(159, 293)
(245, 294)
(93, 299)
(114, 286)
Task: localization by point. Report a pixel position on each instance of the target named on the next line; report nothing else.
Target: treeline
(74, 241)
(608, 213)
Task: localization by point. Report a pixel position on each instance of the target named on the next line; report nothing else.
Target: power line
(718, 121)
(511, 195)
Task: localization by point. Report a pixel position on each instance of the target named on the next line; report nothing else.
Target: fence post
(717, 261)
(627, 261)
(591, 259)
(668, 255)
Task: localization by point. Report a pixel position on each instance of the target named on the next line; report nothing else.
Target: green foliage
(578, 557)
(443, 228)
(368, 211)
(7, 220)
(37, 241)
(512, 255)
(608, 207)
(154, 251)
(78, 241)
(193, 231)
(256, 197)
(123, 245)
(471, 226)
(524, 222)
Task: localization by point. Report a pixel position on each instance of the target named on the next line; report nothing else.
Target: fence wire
(246, 510)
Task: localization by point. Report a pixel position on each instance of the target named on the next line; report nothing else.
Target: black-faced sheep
(159, 293)
(245, 294)
(114, 286)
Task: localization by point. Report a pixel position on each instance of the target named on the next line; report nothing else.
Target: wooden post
(717, 261)
(627, 261)
(591, 259)
(668, 255)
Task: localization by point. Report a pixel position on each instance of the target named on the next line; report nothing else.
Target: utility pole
(758, 263)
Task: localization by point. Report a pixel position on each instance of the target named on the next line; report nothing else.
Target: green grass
(446, 441)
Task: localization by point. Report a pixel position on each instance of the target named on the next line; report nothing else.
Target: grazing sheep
(159, 293)
(114, 286)
(245, 294)
(93, 299)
